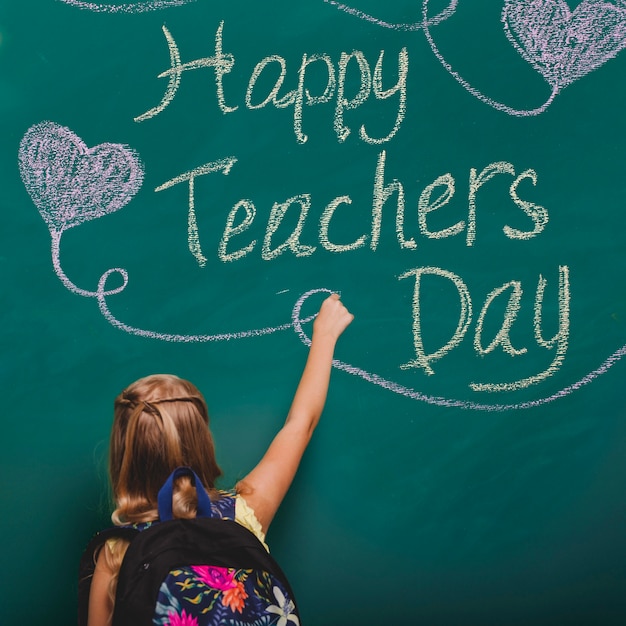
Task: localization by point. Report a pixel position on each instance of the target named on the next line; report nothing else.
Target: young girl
(161, 423)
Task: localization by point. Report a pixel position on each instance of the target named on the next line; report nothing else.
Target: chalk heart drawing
(71, 183)
(564, 45)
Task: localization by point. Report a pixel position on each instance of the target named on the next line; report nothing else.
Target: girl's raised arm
(266, 485)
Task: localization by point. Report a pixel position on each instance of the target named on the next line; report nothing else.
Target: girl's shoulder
(245, 515)
(233, 506)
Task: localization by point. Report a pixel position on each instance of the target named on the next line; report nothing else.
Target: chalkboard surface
(184, 180)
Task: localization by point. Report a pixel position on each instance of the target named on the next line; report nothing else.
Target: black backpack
(203, 571)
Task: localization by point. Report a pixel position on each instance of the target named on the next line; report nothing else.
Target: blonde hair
(113, 552)
(160, 422)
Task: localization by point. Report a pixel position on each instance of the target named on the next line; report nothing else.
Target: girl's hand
(332, 319)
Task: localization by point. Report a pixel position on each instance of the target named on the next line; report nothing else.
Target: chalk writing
(424, 360)
(50, 159)
(222, 63)
(382, 194)
(224, 166)
(71, 183)
(562, 45)
(560, 339)
(441, 401)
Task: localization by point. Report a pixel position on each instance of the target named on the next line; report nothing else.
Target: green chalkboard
(181, 183)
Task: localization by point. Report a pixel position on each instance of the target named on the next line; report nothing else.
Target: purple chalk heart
(70, 183)
(564, 45)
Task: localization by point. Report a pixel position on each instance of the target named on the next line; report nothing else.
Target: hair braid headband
(135, 408)
(148, 405)
(128, 401)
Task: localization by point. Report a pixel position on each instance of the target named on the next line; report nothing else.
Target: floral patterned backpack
(206, 571)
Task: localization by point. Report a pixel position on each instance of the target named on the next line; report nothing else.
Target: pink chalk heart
(564, 45)
(70, 183)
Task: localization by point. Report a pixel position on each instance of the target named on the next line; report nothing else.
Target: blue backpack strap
(164, 499)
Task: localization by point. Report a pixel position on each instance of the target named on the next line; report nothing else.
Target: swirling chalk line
(69, 184)
(440, 17)
(296, 323)
(407, 392)
(134, 7)
(102, 293)
(59, 171)
(562, 45)
(170, 337)
(475, 92)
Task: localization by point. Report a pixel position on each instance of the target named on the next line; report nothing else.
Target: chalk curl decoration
(562, 45)
(70, 184)
(132, 7)
(413, 394)
(432, 21)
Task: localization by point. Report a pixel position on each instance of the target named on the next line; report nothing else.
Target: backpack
(204, 571)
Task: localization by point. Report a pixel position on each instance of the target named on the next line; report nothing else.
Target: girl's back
(161, 423)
